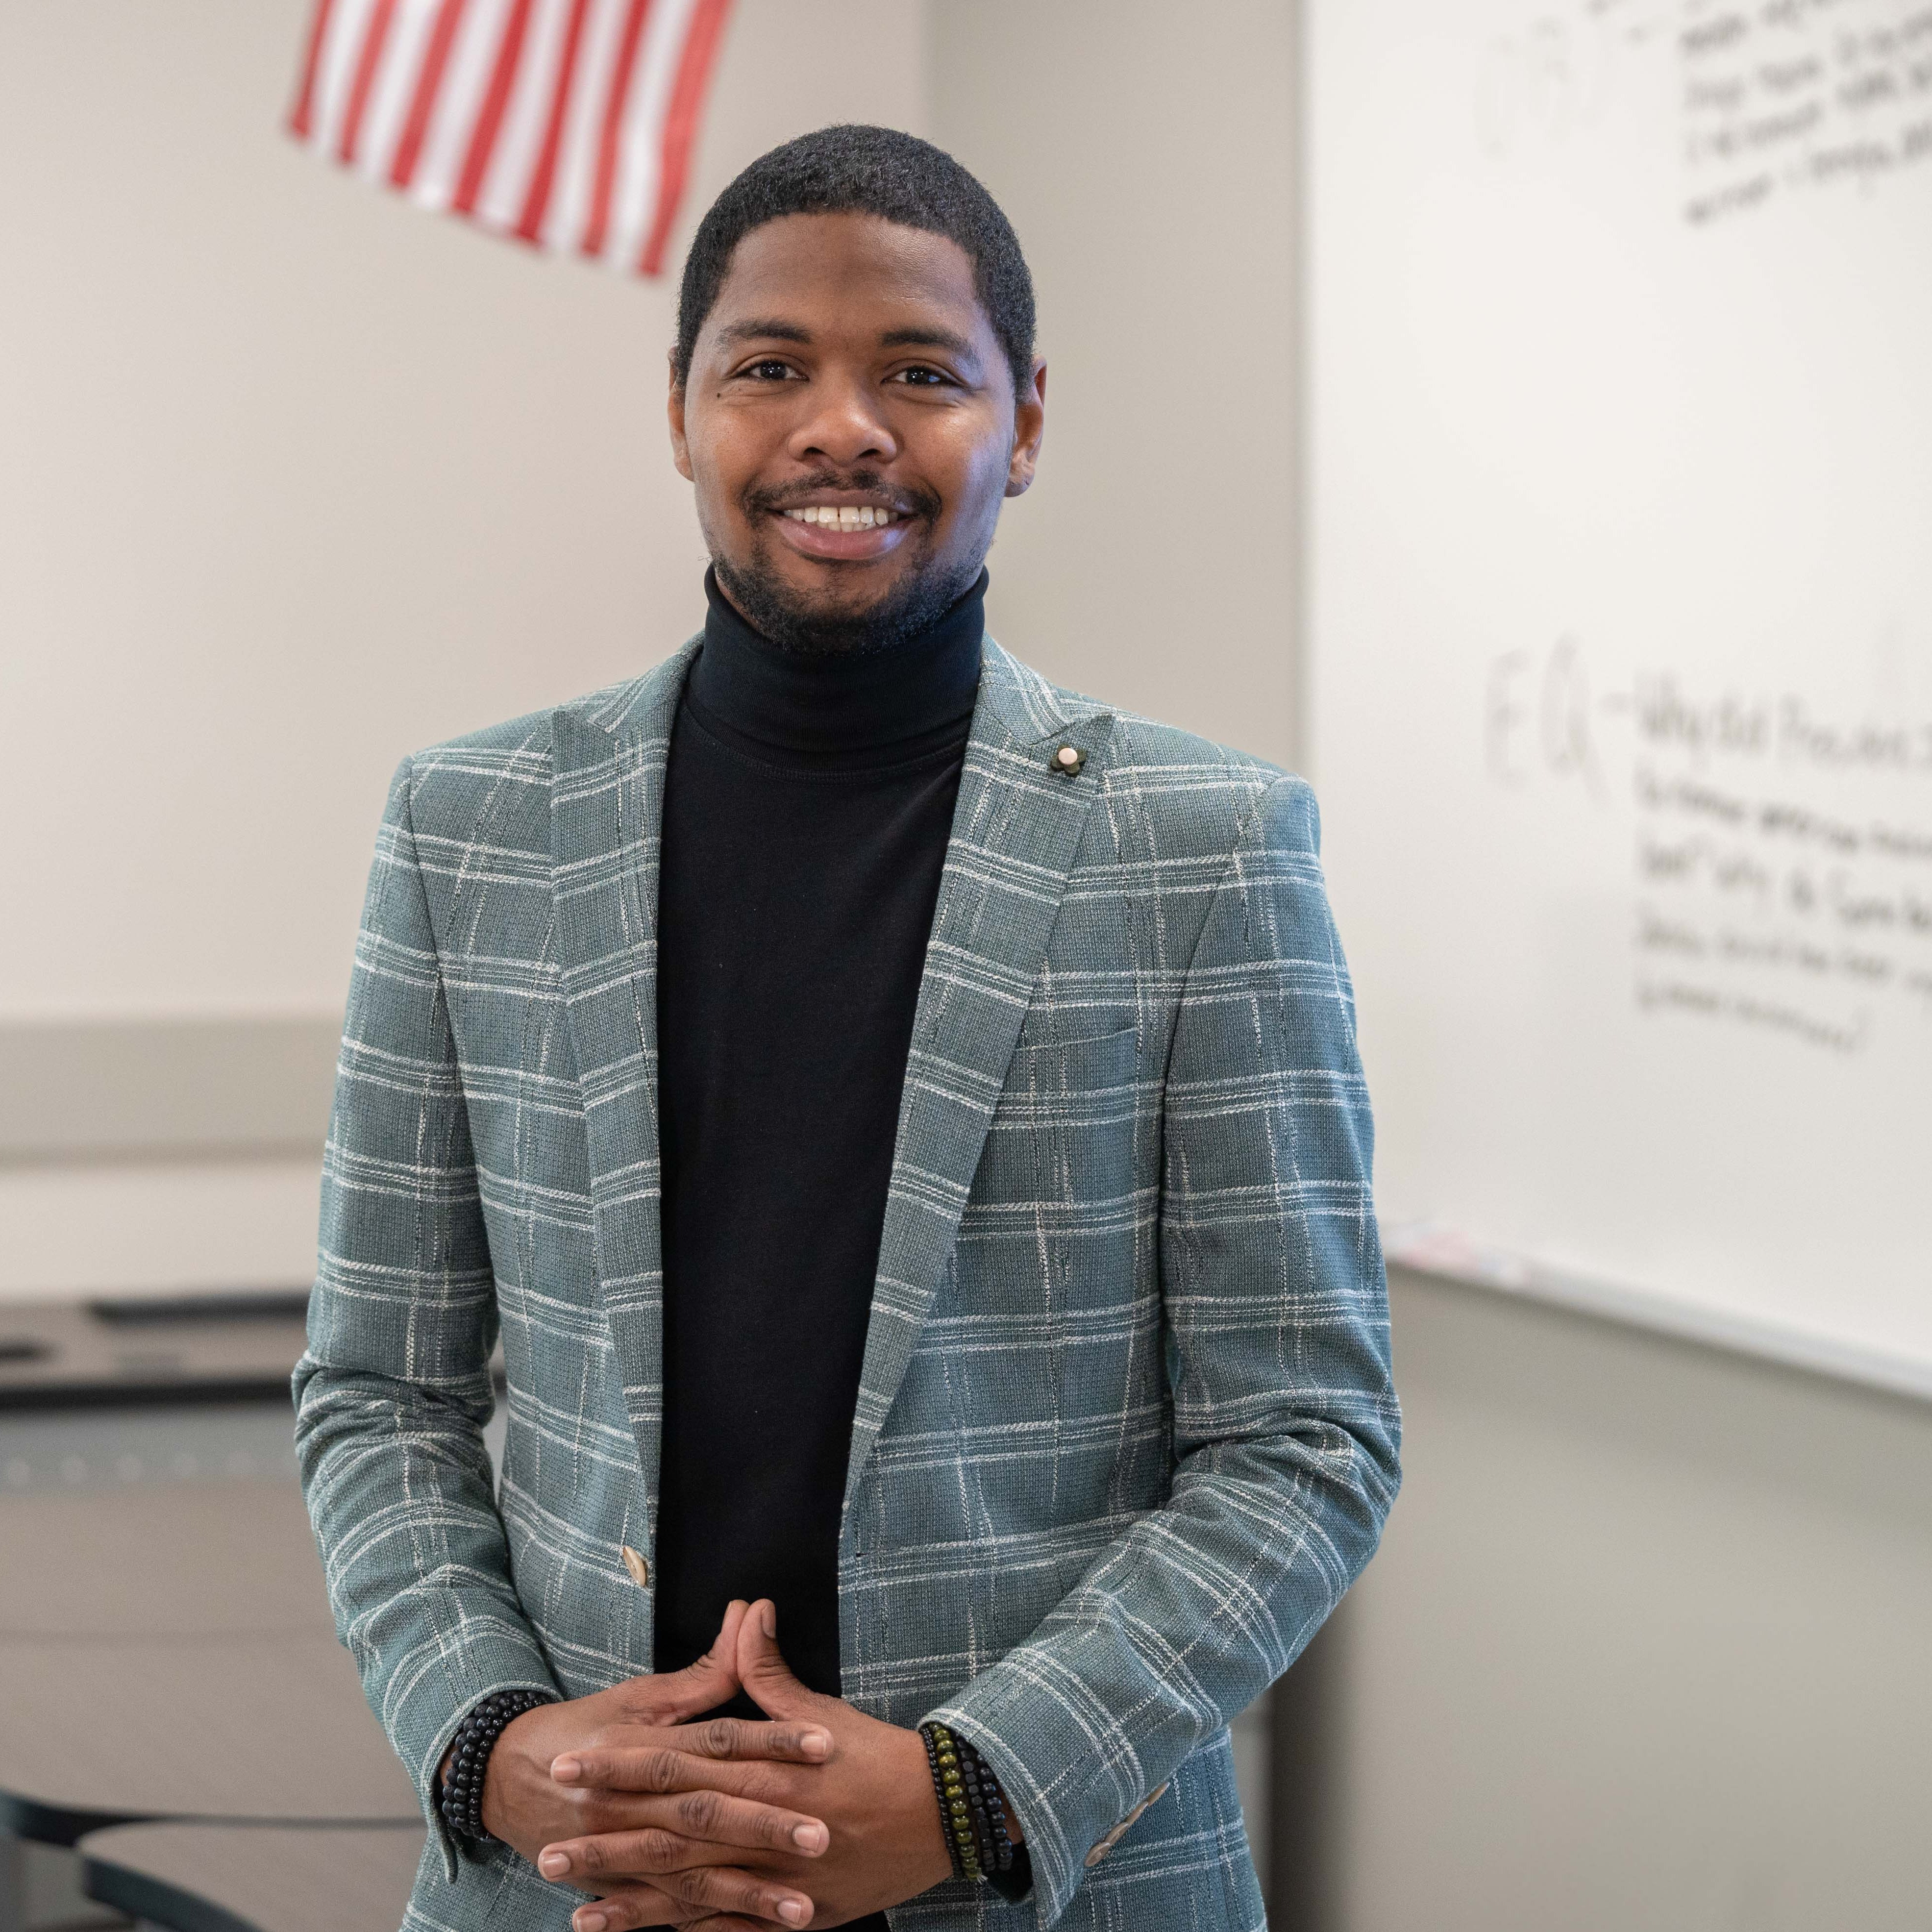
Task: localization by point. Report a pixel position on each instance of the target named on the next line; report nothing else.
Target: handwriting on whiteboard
(1791, 95)
(1781, 853)
(1773, 98)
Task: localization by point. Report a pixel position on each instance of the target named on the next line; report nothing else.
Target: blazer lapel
(1015, 831)
(606, 811)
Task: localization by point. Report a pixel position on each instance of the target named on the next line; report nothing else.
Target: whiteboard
(1620, 635)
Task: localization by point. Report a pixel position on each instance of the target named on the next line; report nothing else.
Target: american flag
(566, 124)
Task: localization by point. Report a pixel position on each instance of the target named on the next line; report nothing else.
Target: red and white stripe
(566, 124)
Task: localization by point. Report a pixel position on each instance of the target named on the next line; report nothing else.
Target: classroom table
(96, 1731)
(232, 1558)
(239, 1878)
(167, 1648)
(141, 1619)
(180, 1348)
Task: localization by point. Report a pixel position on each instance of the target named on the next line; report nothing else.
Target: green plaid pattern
(1126, 1430)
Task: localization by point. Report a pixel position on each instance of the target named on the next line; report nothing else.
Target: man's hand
(680, 1832)
(873, 1790)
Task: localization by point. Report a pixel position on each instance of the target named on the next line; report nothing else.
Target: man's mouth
(845, 516)
(843, 527)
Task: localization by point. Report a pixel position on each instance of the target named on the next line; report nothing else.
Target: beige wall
(1645, 1648)
(295, 478)
(1145, 152)
(299, 478)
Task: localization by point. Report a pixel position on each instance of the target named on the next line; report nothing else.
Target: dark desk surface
(228, 1878)
(224, 1348)
(196, 1349)
(98, 1730)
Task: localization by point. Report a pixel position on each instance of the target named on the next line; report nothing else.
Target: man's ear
(1029, 426)
(680, 450)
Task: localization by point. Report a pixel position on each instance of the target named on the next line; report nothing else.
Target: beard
(921, 597)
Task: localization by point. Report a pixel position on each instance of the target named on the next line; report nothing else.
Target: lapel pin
(1068, 760)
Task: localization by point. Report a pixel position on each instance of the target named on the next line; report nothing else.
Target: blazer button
(641, 1571)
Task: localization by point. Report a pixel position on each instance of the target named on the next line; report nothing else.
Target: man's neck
(837, 702)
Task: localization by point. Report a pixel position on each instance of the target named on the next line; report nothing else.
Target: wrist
(491, 1812)
(980, 1832)
(463, 1778)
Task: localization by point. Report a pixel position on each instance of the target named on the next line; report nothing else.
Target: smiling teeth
(842, 516)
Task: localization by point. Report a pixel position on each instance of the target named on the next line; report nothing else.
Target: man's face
(847, 367)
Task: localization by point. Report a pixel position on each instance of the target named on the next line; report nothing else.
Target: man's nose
(844, 427)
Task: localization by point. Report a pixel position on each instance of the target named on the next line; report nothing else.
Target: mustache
(911, 502)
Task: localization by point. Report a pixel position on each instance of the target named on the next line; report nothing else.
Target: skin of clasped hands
(818, 1816)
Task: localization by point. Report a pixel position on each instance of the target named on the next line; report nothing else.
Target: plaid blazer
(1126, 1430)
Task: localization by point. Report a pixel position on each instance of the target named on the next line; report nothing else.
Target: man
(905, 1120)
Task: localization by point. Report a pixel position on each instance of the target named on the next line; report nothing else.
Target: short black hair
(861, 170)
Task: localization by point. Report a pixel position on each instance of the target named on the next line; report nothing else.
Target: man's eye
(921, 378)
(770, 370)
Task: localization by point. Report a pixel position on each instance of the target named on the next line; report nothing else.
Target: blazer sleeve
(1286, 1430)
(393, 1393)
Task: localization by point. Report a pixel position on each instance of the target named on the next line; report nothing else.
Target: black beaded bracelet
(461, 1800)
(1009, 1866)
(989, 1812)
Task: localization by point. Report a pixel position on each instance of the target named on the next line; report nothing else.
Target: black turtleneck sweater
(807, 808)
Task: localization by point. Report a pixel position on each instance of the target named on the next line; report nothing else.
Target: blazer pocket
(1060, 1153)
(1078, 1087)
(1084, 1055)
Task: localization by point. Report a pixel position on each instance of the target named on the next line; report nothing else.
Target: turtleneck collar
(830, 704)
